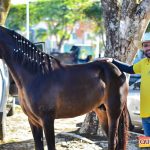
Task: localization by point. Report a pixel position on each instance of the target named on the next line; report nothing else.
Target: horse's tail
(123, 129)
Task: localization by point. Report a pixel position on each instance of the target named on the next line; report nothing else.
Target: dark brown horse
(68, 58)
(49, 90)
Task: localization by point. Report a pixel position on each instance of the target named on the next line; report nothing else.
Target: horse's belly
(73, 111)
(78, 104)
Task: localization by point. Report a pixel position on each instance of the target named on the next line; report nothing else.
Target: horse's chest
(28, 110)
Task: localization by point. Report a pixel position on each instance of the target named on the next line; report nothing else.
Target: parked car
(6, 97)
(4, 86)
(133, 104)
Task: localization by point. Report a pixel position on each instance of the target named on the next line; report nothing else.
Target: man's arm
(123, 66)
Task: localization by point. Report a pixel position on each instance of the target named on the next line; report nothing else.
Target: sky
(18, 1)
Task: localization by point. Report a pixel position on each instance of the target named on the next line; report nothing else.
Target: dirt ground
(19, 136)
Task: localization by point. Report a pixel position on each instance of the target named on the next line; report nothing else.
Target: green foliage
(94, 13)
(17, 17)
(41, 34)
(57, 14)
(60, 15)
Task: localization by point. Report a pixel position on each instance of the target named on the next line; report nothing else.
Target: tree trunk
(91, 125)
(4, 8)
(91, 118)
(125, 27)
(125, 24)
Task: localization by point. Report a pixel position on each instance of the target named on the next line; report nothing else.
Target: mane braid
(28, 55)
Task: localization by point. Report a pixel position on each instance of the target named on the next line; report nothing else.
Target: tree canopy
(60, 16)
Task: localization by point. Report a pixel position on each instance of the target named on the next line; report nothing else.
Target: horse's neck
(19, 74)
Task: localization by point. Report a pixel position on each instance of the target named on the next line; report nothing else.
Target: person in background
(87, 59)
(143, 68)
(75, 50)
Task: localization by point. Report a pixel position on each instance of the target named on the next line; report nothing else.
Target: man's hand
(105, 59)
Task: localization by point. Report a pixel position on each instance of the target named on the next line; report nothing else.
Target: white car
(133, 103)
(7, 96)
(4, 89)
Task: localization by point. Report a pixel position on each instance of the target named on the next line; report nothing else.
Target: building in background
(83, 37)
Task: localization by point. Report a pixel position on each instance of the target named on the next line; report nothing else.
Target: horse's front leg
(48, 126)
(37, 135)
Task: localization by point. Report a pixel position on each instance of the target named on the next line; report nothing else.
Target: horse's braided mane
(31, 57)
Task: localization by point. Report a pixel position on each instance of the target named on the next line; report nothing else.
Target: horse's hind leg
(103, 120)
(109, 124)
(122, 129)
(115, 127)
(48, 126)
(38, 136)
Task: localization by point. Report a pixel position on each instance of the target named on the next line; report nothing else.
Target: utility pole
(27, 19)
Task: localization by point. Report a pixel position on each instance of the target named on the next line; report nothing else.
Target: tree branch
(140, 21)
(4, 8)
